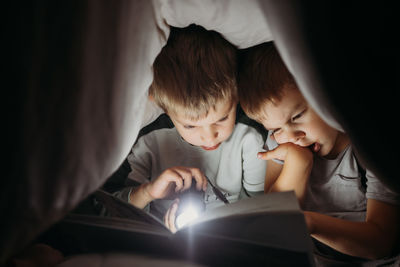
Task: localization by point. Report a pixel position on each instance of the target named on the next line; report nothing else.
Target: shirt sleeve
(377, 190)
(254, 169)
(140, 160)
(123, 193)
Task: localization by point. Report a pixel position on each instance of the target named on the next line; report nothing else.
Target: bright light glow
(188, 215)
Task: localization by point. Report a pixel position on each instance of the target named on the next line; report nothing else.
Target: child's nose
(295, 136)
(209, 135)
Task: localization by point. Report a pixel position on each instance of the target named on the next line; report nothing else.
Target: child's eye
(224, 118)
(298, 116)
(188, 126)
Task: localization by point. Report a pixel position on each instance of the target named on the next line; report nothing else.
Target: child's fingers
(201, 180)
(266, 155)
(178, 184)
(262, 155)
(172, 176)
(166, 220)
(172, 215)
(278, 153)
(187, 176)
(183, 178)
(169, 218)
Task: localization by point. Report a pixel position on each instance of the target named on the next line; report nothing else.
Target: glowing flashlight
(191, 204)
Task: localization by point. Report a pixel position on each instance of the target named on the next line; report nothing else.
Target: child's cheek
(228, 132)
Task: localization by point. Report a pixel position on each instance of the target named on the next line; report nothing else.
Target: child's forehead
(221, 109)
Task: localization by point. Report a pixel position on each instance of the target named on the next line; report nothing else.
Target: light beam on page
(191, 204)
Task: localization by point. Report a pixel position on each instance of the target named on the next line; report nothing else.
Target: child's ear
(151, 98)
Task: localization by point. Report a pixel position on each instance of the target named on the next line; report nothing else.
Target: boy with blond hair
(195, 84)
(345, 206)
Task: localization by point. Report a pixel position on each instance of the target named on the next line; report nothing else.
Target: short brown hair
(195, 70)
(261, 77)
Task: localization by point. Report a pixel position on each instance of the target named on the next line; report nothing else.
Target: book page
(120, 215)
(271, 202)
(135, 225)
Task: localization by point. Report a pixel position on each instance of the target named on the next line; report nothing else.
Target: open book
(267, 229)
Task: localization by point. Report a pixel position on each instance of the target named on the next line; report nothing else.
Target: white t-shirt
(232, 167)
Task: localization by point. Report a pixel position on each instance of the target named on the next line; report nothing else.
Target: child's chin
(210, 148)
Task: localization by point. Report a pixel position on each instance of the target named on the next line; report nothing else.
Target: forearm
(294, 174)
(272, 173)
(139, 196)
(360, 239)
(293, 177)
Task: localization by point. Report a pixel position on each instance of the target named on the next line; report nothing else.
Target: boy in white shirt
(195, 84)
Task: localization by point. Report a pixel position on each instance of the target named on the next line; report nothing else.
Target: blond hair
(193, 72)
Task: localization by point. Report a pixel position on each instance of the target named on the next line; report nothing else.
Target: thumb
(264, 155)
(277, 153)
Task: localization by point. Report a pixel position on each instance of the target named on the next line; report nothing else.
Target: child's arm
(273, 171)
(296, 169)
(371, 239)
(172, 180)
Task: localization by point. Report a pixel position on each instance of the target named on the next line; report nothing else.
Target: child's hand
(170, 216)
(288, 152)
(175, 179)
(296, 169)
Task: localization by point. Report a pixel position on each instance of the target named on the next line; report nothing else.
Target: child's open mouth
(211, 147)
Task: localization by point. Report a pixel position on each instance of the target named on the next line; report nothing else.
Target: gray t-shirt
(335, 187)
(231, 167)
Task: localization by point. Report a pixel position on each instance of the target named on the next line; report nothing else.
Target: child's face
(293, 120)
(208, 132)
